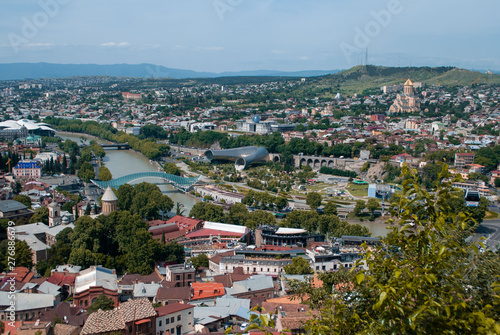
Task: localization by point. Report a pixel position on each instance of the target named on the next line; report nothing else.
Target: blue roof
(27, 165)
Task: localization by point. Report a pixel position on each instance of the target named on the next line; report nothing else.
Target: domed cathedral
(109, 201)
(406, 102)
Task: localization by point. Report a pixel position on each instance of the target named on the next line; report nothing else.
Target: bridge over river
(181, 183)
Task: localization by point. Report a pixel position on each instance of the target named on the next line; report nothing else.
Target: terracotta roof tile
(136, 309)
(103, 321)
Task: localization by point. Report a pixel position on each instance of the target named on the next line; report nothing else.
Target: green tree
(372, 205)
(328, 223)
(101, 303)
(41, 215)
(257, 218)
(303, 219)
(24, 199)
(174, 252)
(178, 209)
(238, 214)
(281, 202)
(172, 168)
(330, 208)
(21, 254)
(199, 261)
(360, 206)
(144, 199)
(497, 182)
(313, 199)
(86, 172)
(299, 266)
(208, 212)
(418, 278)
(104, 174)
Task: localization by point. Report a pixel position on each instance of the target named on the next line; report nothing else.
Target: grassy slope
(359, 78)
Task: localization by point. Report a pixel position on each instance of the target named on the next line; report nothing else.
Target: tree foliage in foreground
(422, 279)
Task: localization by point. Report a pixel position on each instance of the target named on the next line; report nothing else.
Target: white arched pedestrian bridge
(181, 183)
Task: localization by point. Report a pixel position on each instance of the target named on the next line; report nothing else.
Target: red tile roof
(207, 232)
(173, 293)
(130, 279)
(170, 236)
(206, 290)
(185, 223)
(172, 308)
(60, 279)
(21, 274)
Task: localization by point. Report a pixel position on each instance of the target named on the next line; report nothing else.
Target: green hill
(360, 78)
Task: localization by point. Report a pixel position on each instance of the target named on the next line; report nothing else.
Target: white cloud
(178, 47)
(38, 45)
(278, 52)
(115, 44)
(209, 48)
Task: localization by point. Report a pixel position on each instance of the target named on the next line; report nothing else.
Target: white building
(175, 318)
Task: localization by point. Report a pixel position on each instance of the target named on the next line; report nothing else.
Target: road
(490, 229)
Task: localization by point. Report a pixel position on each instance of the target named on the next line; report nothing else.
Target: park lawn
(358, 190)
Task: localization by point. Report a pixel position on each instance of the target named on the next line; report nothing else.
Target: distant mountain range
(15, 71)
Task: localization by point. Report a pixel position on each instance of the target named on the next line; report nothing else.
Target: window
(178, 318)
(159, 323)
(172, 319)
(189, 276)
(189, 313)
(177, 277)
(167, 321)
(172, 331)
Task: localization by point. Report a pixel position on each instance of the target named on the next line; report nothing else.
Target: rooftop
(7, 206)
(172, 308)
(206, 290)
(96, 276)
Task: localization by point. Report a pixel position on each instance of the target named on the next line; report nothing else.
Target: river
(125, 162)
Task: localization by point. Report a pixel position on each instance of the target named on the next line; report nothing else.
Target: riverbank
(92, 137)
(125, 162)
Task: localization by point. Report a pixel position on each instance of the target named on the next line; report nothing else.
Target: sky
(238, 35)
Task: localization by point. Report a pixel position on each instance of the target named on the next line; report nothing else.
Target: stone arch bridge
(317, 163)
